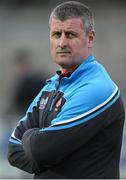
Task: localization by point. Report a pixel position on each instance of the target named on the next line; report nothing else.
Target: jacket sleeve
(16, 154)
(82, 117)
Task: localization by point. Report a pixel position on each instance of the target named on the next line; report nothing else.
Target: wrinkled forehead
(73, 23)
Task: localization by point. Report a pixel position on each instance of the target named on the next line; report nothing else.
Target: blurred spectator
(27, 82)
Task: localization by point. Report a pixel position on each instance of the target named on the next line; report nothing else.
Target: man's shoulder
(97, 87)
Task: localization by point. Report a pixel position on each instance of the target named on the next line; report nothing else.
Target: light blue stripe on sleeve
(14, 141)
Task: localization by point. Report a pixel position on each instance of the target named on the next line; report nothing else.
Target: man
(73, 128)
(26, 83)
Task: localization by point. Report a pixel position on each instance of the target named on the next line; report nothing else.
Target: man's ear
(91, 37)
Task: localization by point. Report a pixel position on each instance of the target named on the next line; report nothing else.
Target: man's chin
(63, 61)
(64, 65)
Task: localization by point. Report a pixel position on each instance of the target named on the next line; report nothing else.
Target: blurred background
(25, 60)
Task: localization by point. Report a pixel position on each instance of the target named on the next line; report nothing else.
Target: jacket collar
(81, 69)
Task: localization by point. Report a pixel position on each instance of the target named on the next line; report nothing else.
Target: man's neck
(65, 71)
(69, 70)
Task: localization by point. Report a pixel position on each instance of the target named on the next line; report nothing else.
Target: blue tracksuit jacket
(74, 131)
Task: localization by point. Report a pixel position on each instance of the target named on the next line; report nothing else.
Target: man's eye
(70, 35)
(56, 35)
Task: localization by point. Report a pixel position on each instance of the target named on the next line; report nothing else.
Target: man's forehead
(66, 24)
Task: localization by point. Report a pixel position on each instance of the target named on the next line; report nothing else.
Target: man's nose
(63, 41)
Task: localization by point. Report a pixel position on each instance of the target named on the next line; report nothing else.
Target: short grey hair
(74, 9)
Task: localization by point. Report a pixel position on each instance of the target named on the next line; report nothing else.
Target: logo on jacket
(43, 103)
(58, 104)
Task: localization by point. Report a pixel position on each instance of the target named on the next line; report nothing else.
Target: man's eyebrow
(66, 32)
(56, 31)
(71, 31)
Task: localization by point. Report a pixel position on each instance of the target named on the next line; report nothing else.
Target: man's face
(69, 43)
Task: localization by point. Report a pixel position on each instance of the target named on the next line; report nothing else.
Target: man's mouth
(63, 52)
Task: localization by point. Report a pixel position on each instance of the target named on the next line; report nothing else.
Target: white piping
(90, 111)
